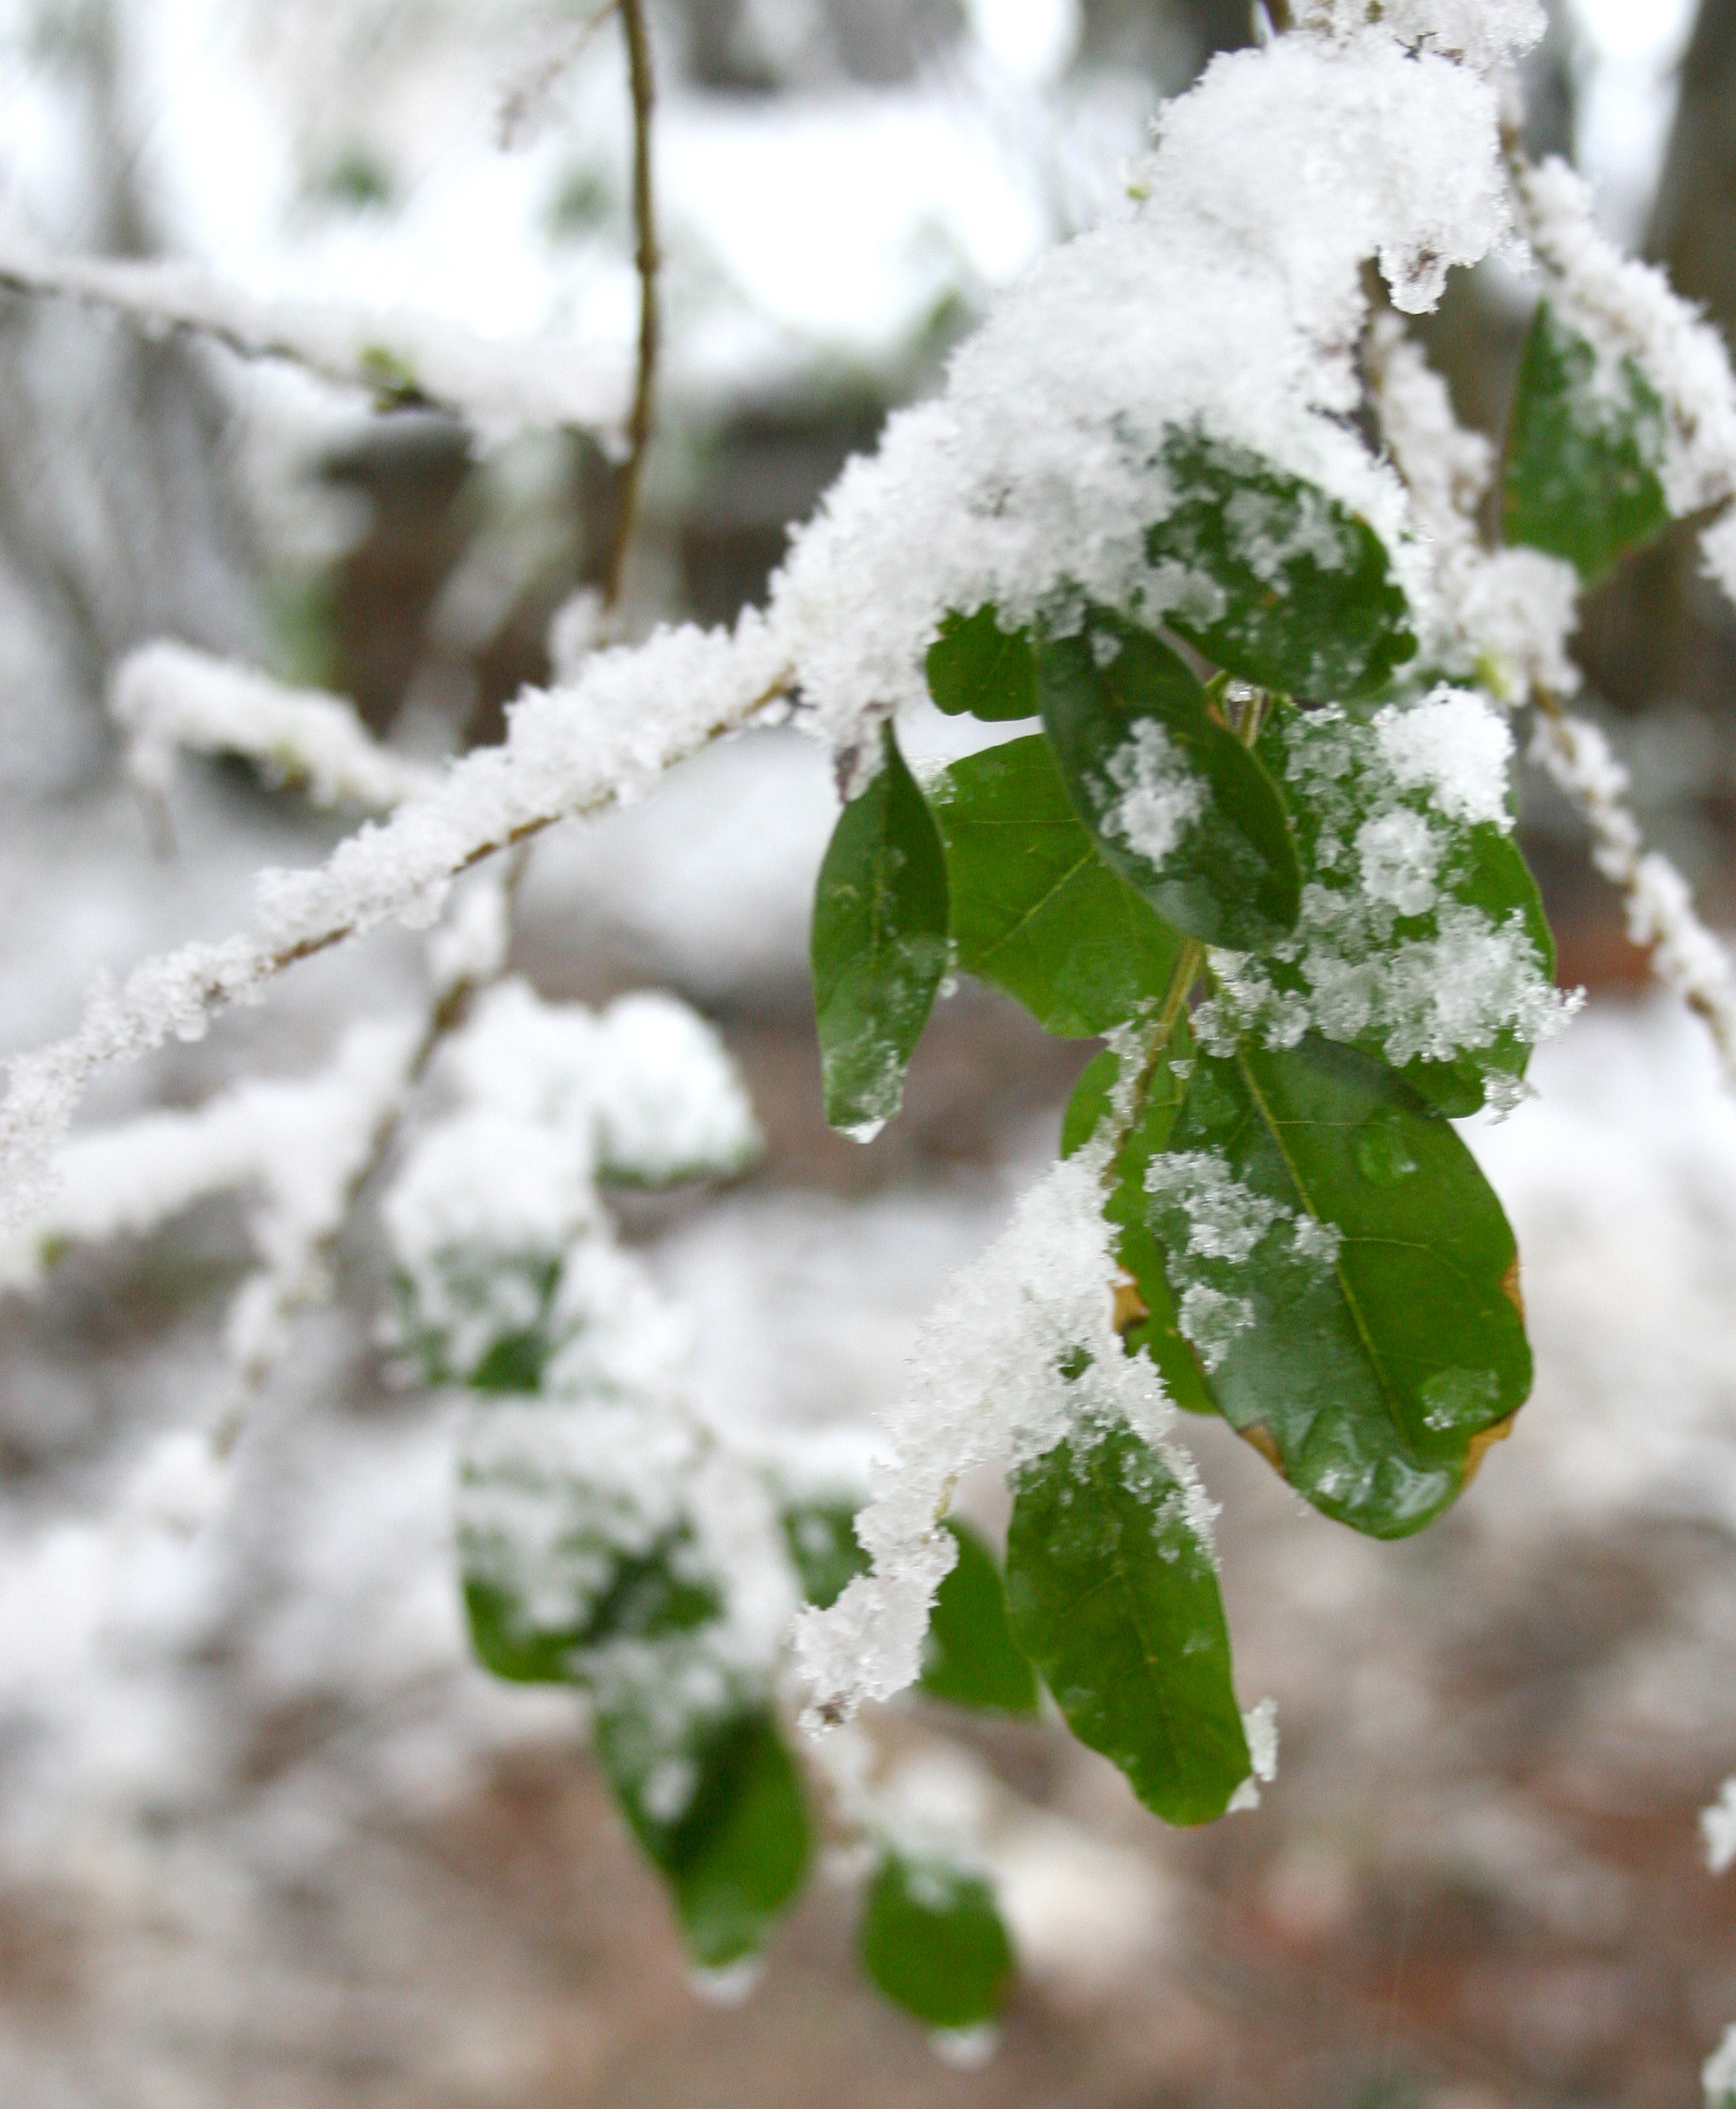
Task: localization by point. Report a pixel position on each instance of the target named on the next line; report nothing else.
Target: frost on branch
(1686, 956)
(1020, 1349)
(169, 697)
(602, 740)
(503, 386)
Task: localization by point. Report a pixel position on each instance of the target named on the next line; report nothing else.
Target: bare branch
(633, 26)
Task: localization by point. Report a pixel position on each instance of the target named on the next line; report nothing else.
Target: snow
(1718, 1829)
(987, 1385)
(1420, 772)
(1162, 797)
(168, 696)
(503, 386)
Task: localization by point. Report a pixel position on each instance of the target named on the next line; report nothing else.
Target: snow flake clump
(1393, 950)
(1225, 307)
(1161, 797)
(996, 1376)
(1211, 1224)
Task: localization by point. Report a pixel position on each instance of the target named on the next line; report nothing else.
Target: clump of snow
(1454, 748)
(1392, 799)
(1162, 797)
(1484, 33)
(988, 1384)
(1226, 304)
(1718, 1829)
(1211, 1224)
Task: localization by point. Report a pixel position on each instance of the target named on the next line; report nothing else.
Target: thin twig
(522, 104)
(633, 27)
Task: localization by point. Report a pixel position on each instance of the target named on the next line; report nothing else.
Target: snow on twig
(167, 696)
(601, 742)
(1686, 956)
(502, 385)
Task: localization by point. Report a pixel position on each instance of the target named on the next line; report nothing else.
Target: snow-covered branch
(602, 741)
(167, 696)
(502, 385)
(1686, 956)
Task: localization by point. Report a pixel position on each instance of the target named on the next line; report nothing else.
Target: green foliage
(1035, 909)
(977, 667)
(1585, 446)
(970, 1656)
(1324, 619)
(717, 1807)
(931, 1939)
(1114, 1598)
(1370, 1337)
(880, 943)
(1150, 1325)
(1177, 804)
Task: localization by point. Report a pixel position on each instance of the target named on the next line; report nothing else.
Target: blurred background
(266, 1839)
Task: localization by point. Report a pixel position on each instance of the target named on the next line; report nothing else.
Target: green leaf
(1305, 601)
(645, 1597)
(879, 945)
(970, 1656)
(717, 1807)
(932, 1941)
(1346, 1276)
(1585, 446)
(977, 668)
(1146, 1316)
(821, 1537)
(1035, 909)
(1177, 806)
(1114, 1598)
(1351, 950)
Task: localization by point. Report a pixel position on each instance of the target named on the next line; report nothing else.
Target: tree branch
(634, 29)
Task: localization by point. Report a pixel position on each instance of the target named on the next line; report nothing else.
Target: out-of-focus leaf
(1584, 447)
(932, 1941)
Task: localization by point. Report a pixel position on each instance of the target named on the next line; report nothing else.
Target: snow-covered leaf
(1585, 445)
(1345, 1275)
(1177, 806)
(1272, 580)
